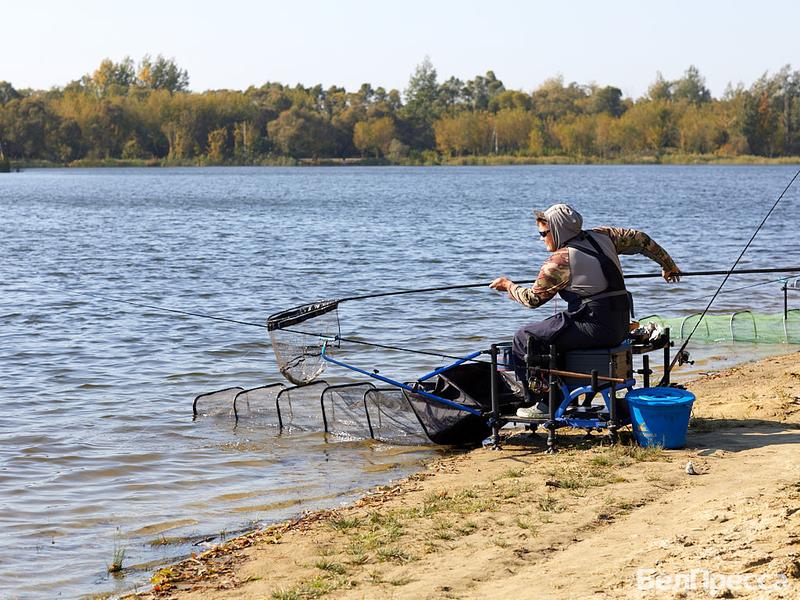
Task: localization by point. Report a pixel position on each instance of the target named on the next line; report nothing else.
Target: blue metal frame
(405, 386)
(460, 361)
(570, 395)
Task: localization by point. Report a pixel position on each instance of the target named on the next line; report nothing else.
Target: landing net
(298, 335)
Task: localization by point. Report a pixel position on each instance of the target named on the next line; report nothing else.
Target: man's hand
(501, 284)
(672, 276)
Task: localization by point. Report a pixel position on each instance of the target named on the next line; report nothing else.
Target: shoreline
(458, 161)
(491, 524)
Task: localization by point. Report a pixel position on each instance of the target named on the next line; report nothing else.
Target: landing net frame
(300, 334)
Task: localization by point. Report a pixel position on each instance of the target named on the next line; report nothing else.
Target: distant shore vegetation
(144, 114)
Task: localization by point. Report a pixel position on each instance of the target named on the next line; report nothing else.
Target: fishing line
(262, 326)
(164, 309)
(739, 289)
(679, 354)
(382, 346)
(251, 324)
(181, 312)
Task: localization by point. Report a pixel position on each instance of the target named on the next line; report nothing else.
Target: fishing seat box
(608, 362)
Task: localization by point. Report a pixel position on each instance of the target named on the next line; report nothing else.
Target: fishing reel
(683, 358)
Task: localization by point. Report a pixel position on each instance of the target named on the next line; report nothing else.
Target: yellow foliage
(465, 133)
(374, 135)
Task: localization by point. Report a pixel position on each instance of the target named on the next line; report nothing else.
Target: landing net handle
(300, 314)
(407, 387)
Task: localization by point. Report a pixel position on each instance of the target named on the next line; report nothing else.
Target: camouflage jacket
(555, 273)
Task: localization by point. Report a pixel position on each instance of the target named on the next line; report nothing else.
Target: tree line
(145, 111)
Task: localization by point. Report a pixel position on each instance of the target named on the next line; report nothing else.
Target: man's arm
(553, 276)
(632, 241)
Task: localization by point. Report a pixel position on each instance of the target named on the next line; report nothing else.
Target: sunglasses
(544, 233)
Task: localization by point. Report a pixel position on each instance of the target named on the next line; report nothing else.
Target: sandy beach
(589, 522)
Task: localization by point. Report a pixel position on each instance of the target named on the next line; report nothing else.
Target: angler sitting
(584, 269)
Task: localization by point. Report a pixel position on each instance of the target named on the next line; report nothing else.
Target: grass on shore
(372, 546)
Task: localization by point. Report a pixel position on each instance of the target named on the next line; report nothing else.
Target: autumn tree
(648, 126)
(576, 136)
(301, 133)
(162, 74)
(660, 89)
(8, 93)
(113, 79)
(554, 100)
(218, 144)
(465, 133)
(512, 129)
(700, 131)
(691, 87)
(374, 136)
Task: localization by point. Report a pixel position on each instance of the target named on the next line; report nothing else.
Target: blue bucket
(660, 415)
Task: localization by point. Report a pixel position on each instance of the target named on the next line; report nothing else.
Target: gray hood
(564, 222)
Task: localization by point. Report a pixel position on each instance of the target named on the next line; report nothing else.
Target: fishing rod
(399, 292)
(224, 319)
(526, 281)
(681, 353)
(737, 289)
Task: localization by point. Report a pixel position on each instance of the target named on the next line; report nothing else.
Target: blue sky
(236, 43)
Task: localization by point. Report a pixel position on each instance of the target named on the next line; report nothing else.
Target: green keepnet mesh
(742, 326)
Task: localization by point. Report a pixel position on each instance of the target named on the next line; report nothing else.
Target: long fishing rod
(394, 293)
(737, 289)
(679, 355)
(399, 292)
(633, 276)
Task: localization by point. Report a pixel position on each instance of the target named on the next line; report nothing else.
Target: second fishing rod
(795, 269)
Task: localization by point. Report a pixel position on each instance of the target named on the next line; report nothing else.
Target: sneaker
(538, 411)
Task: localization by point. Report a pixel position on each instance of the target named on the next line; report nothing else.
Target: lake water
(98, 449)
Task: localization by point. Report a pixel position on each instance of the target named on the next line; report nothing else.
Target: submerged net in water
(741, 326)
(298, 336)
(215, 404)
(299, 407)
(258, 402)
(344, 410)
(353, 411)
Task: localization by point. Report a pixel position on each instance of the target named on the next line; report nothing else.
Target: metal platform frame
(558, 416)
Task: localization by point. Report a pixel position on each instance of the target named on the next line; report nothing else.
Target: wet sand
(591, 521)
